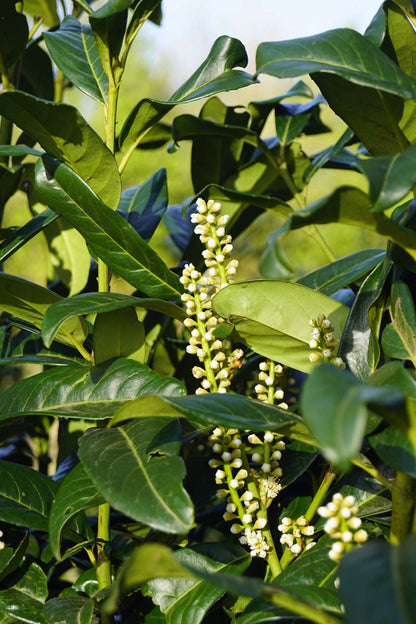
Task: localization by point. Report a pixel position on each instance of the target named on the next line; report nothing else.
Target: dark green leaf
(110, 236)
(334, 407)
(10, 559)
(118, 333)
(63, 132)
(69, 609)
(273, 317)
(89, 303)
(25, 496)
(76, 493)
(395, 449)
(359, 345)
(392, 344)
(143, 206)
(74, 50)
(228, 410)
(74, 392)
(36, 74)
(29, 302)
(330, 278)
(378, 581)
(371, 497)
(26, 233)
(184, 599)
(9, 182)
(45, 8)
(13, 32)
(24, 601)
(391, 178)
(343, 52)
(295, 461)
(403, 318)
(137, 469)
(18, 150)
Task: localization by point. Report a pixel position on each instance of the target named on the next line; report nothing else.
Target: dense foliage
(177, 445)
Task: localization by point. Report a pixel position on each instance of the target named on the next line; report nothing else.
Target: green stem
(59, 86)
(308, 611)
(402, 507)
(317, 501)
(111, 115)
(37, 23)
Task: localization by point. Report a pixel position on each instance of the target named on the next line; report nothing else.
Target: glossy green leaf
(13, 32)
(137, 469)
(343, 52)
(18, 150)
(273, 317)
(378, 579)
(110, 236)
(188, 600)
(89, 303)
(334, 407)
(29, 302)
(296, 459)
(73, 392)
(395, 449)
(216, 74)
(26, 233)
(228, 410)
(371, 496)
(330, 278)
(24, 601)
(403, 317)
(359, 345)
(392, 344)
(391, 178)
(350, 206)
(74, 51)
(76, 493)
(10, 559)
(25, 496)
(45, 8)
(62, 132)
(69, 609)
(118, 333)
(373, 115)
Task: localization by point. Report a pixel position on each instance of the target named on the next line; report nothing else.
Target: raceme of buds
(342, 524)
(2, 544)
(323, 343)
(270, 390)
(217, 358)
(295, 534)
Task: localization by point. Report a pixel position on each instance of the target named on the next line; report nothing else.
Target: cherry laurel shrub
(181, 445)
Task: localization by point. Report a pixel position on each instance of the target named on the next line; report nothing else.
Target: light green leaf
(29, 302)
(45, 8)
(118, 333)
(272, 318)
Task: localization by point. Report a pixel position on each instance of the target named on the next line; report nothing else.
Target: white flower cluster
(324, 345)
(270, 390)
(242, 505)
(265, 454)
(215, 355)
(295, 534)
(2, 544)
(342, 525)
